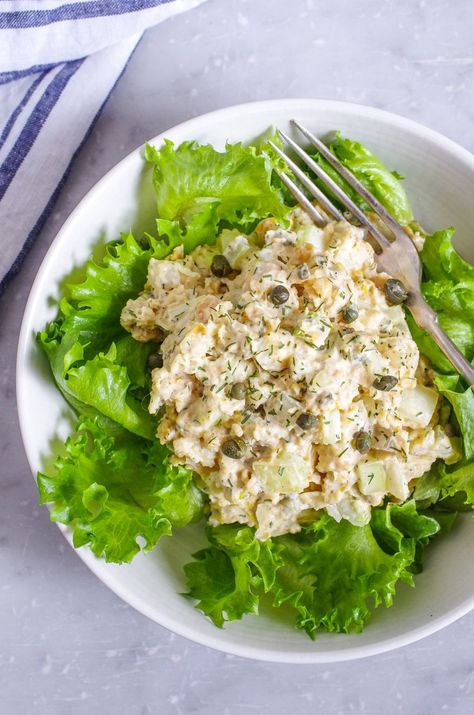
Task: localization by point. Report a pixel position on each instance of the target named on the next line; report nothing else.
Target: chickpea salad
(243, 369)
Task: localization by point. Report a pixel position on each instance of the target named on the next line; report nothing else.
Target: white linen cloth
(59, 62)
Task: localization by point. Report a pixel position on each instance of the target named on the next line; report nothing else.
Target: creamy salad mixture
(289, 382)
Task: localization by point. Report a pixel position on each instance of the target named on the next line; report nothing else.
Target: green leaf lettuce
(332, 574)
(385, 185)
(448, 286)
(112, 488)
(200, 190)
(115, 485)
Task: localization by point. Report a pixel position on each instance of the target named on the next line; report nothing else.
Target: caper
(279, 295)
(220, 266)
(303, 272)
(306, 420)
(363, 442)
(385, 382)
(233, 448)
(350, 313)
(238, 391)
(395, 291)
(154, 360)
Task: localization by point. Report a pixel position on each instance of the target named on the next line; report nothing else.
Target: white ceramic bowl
(440, 184)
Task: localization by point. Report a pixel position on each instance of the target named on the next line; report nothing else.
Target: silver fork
(399, 258)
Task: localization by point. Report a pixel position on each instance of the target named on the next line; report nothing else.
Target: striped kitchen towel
(59, 61)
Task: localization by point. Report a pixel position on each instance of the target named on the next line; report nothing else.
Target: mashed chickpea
(325, 369)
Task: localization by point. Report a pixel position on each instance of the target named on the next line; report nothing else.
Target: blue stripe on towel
(35, 231)
(32, 128)
(6, 77)
(21, 19)
(17, 111)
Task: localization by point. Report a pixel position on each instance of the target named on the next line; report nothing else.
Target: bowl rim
(96, 565)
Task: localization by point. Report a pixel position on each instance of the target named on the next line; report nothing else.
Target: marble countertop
(69, 645)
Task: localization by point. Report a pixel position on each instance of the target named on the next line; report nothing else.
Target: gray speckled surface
(67, 644)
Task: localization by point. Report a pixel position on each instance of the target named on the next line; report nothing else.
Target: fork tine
(349, 177)
(306, 181)
(337, 191)
(301, 199)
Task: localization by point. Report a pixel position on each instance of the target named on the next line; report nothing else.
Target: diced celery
(354, 510)
(236, 250)
(313, 235)
(331, 427)
(203, 255)
(286, 474)
(281, 406)
(456, 451)
(418, 404)
(226, 236)
(449, 448)
(372, 477)
(396, 484)
(196, 418)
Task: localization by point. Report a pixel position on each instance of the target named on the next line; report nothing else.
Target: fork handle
(426, 318)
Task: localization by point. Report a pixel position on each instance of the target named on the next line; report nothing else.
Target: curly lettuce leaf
(294, 582)
(353, 572)
(448, 286)
(103, 384)
(459, 481)
(332, 574)
(462, 402)
(200, 190)
(441, 260)
(445, 488)
(398, 523)
(226, 578)
(385, 185)
(201, 227)
(457, 487)
(89, 315)
(113, 488)
(97, 366)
